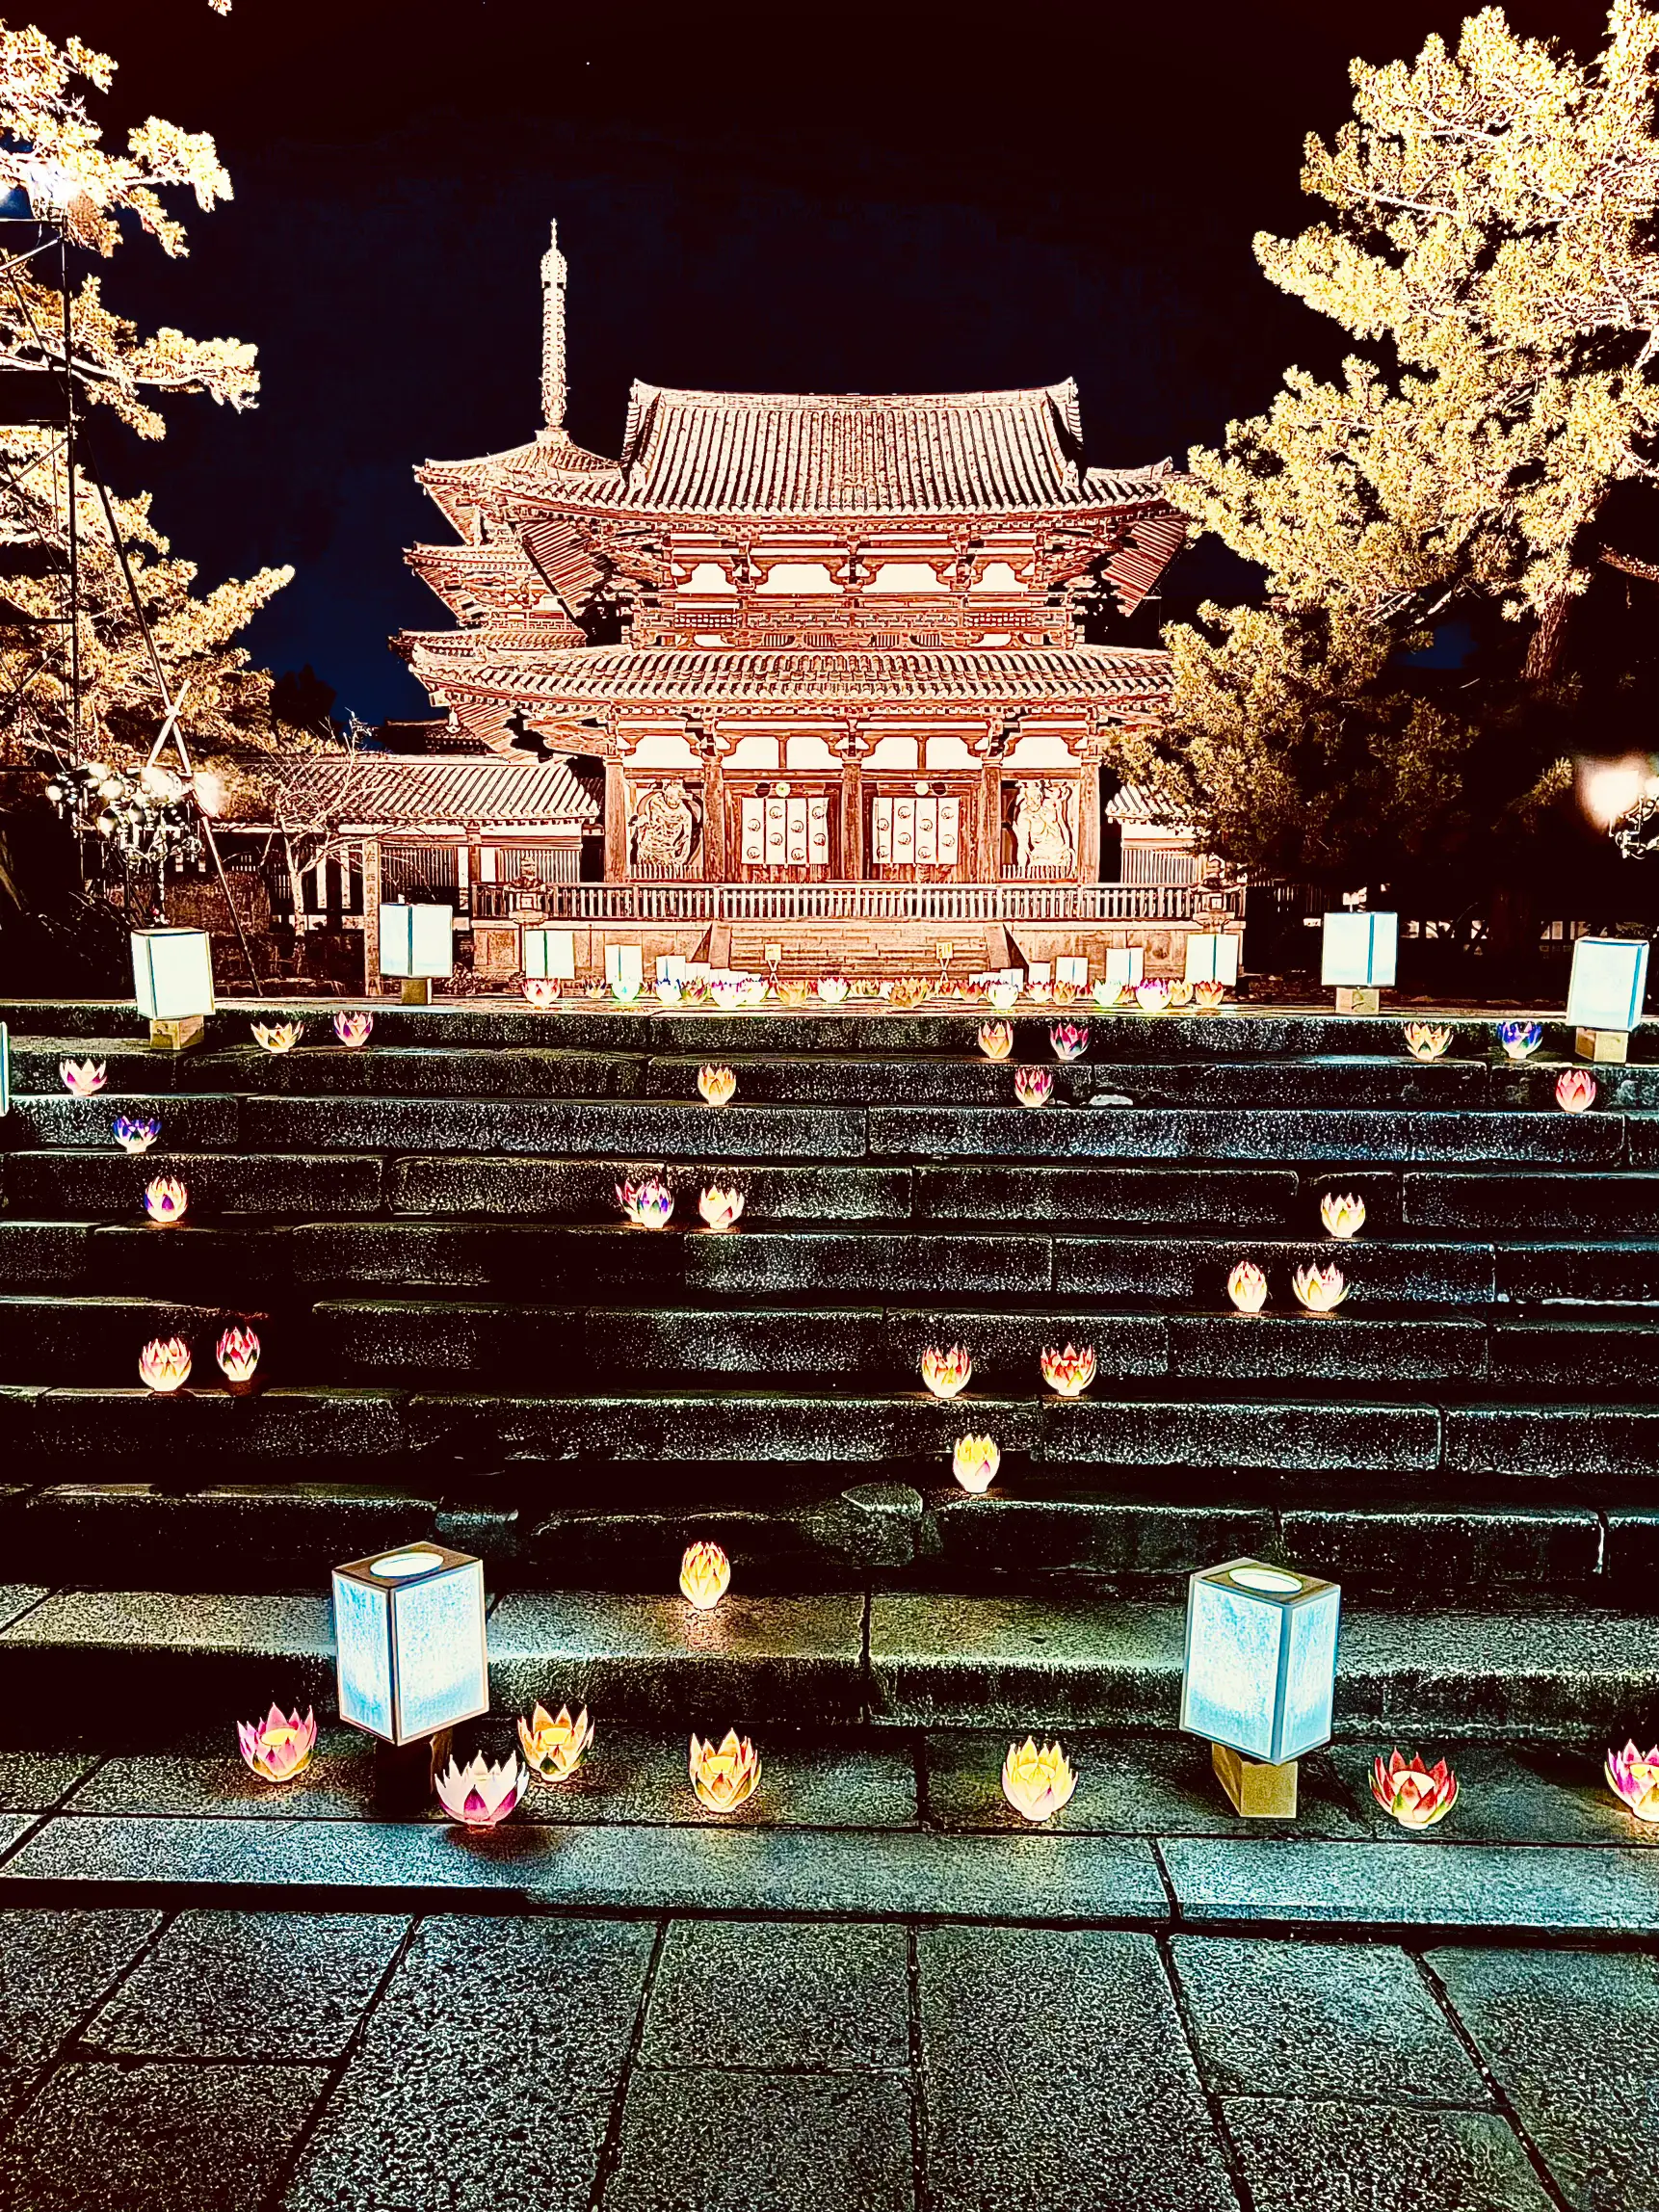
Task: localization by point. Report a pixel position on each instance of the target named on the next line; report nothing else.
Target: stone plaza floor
(232, 2061)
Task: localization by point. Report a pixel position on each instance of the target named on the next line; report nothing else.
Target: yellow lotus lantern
(1320, 1289)
(276, 1749)
(555, 1747)
(974, 1462)
(996, 1040)
(1343, 1216)
(166, 1200)
(1208, 996)
(1036, 1781)
(724, 1777)
(164, 1364)
(1068, 1373)
(1180, 992)
(717, 1086)
(705, 1575)
(720, 1209)
(1246, 1287)
(946, 1373)
(1425, 1041)
(278, 1036)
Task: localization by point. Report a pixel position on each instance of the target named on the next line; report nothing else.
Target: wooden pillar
(713, 807)
(851, 813)
(990, 811)
(1088, 819)
(371, 916)
(616, 821)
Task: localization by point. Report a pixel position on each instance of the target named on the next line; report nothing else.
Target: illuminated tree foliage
(1489, 458)
(52, 152)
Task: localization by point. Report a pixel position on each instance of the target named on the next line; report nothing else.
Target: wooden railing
(1030, 902)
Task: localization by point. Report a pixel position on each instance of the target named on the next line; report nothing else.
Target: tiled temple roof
(385, 792)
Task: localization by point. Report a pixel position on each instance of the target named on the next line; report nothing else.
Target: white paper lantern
(1212, 958)
(550, 954)
(1361, 950)
(1260, 1669)
(1609, 983)
(417, 940)
(1125, 965)
(172, 973)
(409, 1640)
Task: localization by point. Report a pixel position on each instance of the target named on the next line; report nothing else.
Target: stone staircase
(462, 1341)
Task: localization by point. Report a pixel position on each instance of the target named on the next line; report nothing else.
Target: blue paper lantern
(409, 1642)
(1261, 1670)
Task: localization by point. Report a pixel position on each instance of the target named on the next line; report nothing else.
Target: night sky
(783, 198)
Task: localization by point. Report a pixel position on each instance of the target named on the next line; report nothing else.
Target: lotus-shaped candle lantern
(1575, 1090)
(1037, 1781)
(668, 991)
(694, 990)
(725, 1776)
(1208, 995)
(1033, 1085)
(482, 1796)
(1246, 1287)
(996, 1038)
(833, 988)
(974, 1462)
(1070, 1039)
(1153, 994)
(1180, 992)
(1040, 993)
(164, 1364)
(1068, 1373)
(136, 1133)
(1004, 996)
(1632, 1777)
(646, 1204)
(1521, 1039)
(278, 1036)
(166, 1200)
(728, 991)
(625, 988)
(717, 1086)
(946, 1373)
(909, 992)
(82, 1078)
(705, 1575)
(353, 1029)
(1417, 1796)
(554, 1748)
(720, 1209)
(1320, 1289)
(1106, 996)
(1343, 1216)
(794, 993)
(756, 990)
(1066, 994)
(1425, 1041)
(238, 1355)
(278, 1749)
(541, 991)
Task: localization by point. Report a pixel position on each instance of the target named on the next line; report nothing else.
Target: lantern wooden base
(1358, 998)
(1255, 1791)
(177, 1036)
(404, 1774)
(1613, 1044)
(418, 991)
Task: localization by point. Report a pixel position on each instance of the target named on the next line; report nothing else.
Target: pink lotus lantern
(717, 1086)
(136, 1133)
(1152, 995)
(720, 1209)
(646, 1204)
(82, 1078)
(1033, 1085)
(1320, 1289)
(833, 988)
(1070, 1039)
(353, 1029)
(723, 1778)
(1106, 996)
(1068, 1373)
(996, 1038)
(705, 1575)
(1417, 1796)
(164, 1364)
(1037, 1783)
(278, 1036)
(974, 1462)
(1575, 1090)
(1343, 1217)
(1246, 1287)
(554, 1748)
(946, 1373)
(1425, 1041)
(278, 1749)
(480, 1796)
(1632, 1777)
(166, 1200)
(541, 991)
(238, 1355)
(1209, 996)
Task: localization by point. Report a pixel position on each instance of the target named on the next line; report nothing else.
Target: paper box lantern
(417, 940)
(172, 974)
(1073, 971)
(1212, 958)
(550, 954)
(624, 964)
(1260, 1669)
(1361, 950)
(1609, 983)
(408, 1631)
(1125, 966)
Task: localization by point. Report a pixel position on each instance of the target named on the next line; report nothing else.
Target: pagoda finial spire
(553, 333)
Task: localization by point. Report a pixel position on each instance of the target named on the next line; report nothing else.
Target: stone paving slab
(1297, 2153)
(763, 2143)
(830, 1996)
(54, 1967)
